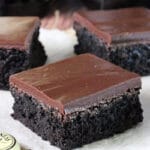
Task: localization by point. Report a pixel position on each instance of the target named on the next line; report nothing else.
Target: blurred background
(46, 7)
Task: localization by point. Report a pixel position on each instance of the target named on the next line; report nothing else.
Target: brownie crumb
(79, 128)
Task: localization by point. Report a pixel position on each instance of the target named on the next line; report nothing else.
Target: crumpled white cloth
(137, 138)
(58, 44)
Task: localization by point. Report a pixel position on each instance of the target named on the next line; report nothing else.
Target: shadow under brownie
(120, 36)
(19, 46)
(77, 101)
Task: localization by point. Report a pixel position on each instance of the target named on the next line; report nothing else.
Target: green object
(8, 142)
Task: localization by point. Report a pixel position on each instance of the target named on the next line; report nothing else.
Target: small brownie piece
(126, 41)
(19, 46)
(77, 101)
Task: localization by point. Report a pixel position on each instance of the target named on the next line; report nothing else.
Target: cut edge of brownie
(89, 43)
(14, 60)
(81, 127)
(37, 53)
(134, 57)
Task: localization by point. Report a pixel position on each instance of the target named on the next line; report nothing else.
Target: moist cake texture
(128, 31)
(77, 101)
(19, 46)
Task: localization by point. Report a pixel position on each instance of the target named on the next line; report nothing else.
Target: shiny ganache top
(75, 83)
(123, 25)
(16, 32)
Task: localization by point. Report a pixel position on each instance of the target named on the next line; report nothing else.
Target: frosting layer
(123, 25)
(16, 32)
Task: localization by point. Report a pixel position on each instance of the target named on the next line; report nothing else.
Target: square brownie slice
(121, 36)
(19, 46)
(77, 101)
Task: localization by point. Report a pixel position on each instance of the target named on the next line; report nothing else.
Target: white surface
(58, 44)
(137, 138)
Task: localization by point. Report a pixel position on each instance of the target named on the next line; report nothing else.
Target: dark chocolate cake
(77, 101)
(19, 46)
(120, 36)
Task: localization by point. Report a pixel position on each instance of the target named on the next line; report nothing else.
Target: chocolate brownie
(19, 46)
(77, 101)
(120, 36)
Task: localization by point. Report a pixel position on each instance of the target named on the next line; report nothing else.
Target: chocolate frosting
(76, 83)
(90, 26)
(16, 32)
(123, 25)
